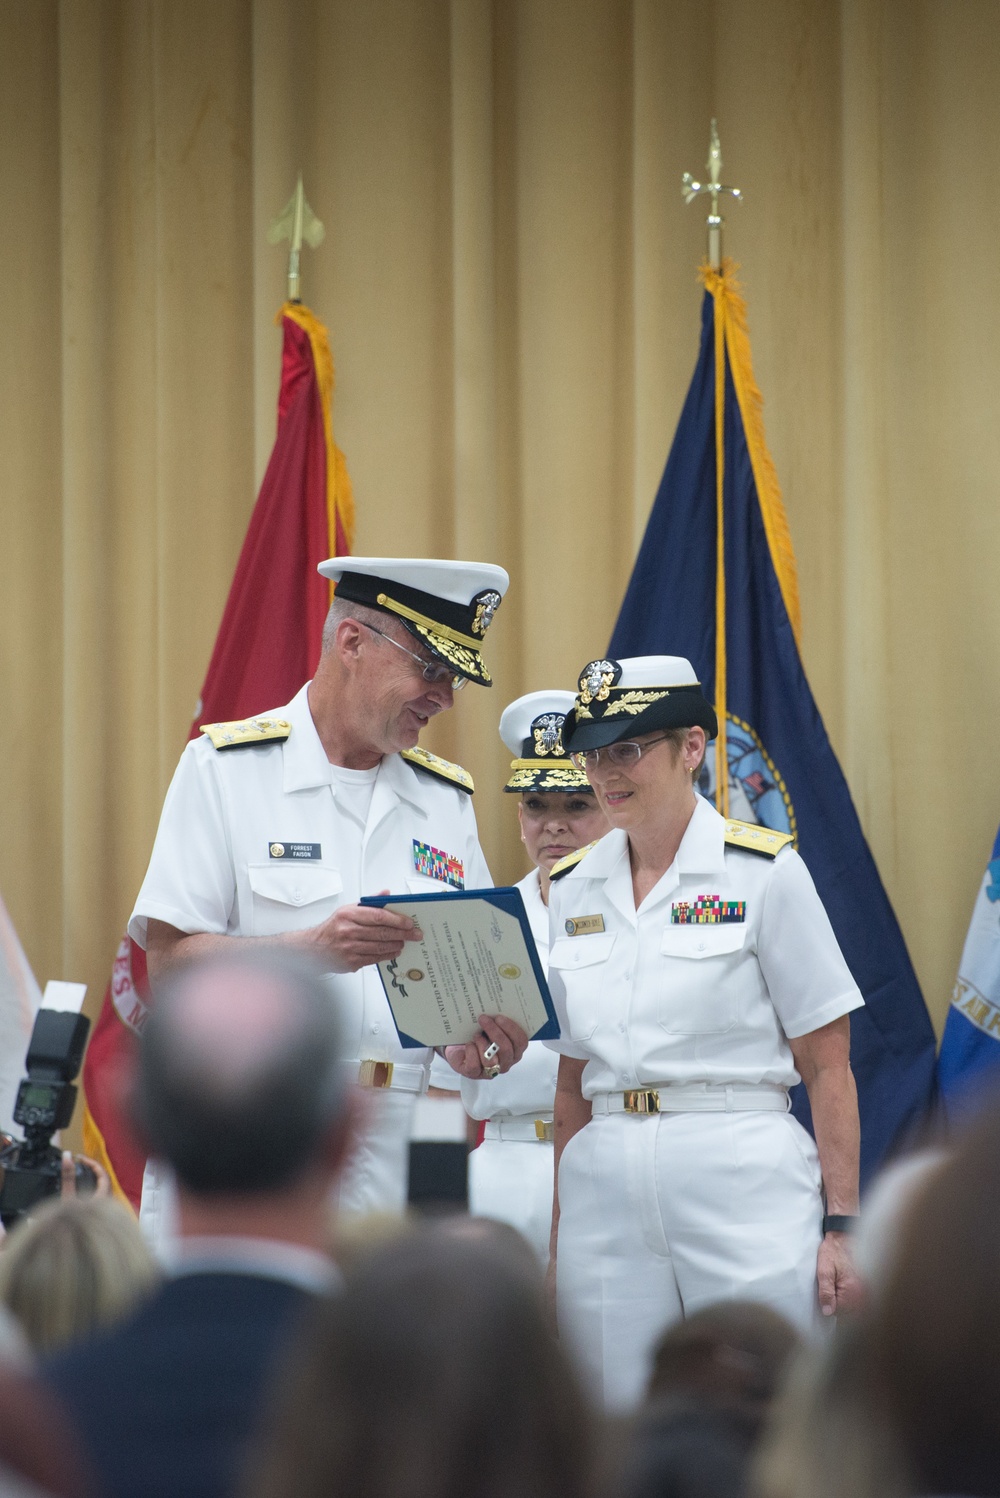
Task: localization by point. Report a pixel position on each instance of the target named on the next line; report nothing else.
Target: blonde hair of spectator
(75, 1266)
(354, 1237)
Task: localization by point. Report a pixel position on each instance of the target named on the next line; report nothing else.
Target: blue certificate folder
(510, 902)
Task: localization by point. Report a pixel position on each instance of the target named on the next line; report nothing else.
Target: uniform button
(374, 1029)
(622, 1029)
(701, 946)
(628, 976)
(297, 896)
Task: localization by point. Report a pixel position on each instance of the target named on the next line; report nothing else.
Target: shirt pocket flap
(703, 941)
(294, 883)
(571, 952)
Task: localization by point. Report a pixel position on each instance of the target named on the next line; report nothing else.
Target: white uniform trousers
(377, 1171)
(663, 1214)
(511, 1180)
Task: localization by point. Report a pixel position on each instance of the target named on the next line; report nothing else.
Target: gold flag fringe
(339, 493)
(95, 1148)
(727, 292)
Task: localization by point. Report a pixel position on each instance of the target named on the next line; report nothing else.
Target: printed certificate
(477, 956)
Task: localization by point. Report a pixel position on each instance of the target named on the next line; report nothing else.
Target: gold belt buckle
(544, 1131)
(642, 1102)
(375, 1074)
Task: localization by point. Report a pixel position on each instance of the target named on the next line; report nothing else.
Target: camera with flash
(32, 1167)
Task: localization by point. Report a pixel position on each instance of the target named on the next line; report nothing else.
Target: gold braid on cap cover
(468, 662)
(456, 649)
(634, 702)
(546, 775)
(423, 621)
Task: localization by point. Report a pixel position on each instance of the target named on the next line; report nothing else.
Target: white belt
(696, 1097)
(521, 1129)
(381, 1074)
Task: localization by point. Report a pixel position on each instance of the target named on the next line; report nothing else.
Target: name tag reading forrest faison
(477, 956)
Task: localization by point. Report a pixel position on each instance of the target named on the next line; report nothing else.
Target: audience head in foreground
(75, 1266)
(240, 1089)
(715, 1376)
(829, 1437)
(903, 1402)
(935, 1324)
(731, 1357)
(434, 1373)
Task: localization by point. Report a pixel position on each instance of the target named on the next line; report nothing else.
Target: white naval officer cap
(620, 698)
(448, 605)
(531, 727)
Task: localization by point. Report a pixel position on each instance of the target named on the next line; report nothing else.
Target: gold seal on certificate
(477, 956)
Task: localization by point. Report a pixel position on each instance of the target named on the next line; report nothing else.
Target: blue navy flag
(732, 609)
(970, 1047)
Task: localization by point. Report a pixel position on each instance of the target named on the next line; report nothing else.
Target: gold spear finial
(714, 188)
(296, 222)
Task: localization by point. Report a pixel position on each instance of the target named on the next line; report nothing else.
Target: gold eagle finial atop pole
(296, 222)
(714, 188)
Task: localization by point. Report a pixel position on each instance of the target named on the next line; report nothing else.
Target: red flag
(304, 513)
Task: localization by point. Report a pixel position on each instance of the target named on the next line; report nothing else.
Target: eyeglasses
(622, 755)
(431, 671)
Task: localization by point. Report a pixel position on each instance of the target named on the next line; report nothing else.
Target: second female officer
(510, 1173)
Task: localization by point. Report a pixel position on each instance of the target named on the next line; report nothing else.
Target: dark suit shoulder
(190, 1300)
(166, 1401)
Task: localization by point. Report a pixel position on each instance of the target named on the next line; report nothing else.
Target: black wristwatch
(833, 1223)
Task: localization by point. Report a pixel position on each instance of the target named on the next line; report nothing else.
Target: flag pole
(714, 188)
(299, 225)
(296, 222)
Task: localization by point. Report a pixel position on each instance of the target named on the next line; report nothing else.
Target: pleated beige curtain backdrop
(509, 282)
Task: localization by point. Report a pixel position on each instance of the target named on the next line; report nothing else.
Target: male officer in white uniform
(274, 827)
(510, 1173)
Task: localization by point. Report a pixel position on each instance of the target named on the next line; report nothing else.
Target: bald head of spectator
(239, 1086)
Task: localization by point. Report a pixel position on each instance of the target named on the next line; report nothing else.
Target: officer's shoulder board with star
(754, 839)
(246, 731)
(433, 764)
(563, 865)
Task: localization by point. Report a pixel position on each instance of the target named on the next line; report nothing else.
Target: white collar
(305, 764)
(702, 848)
(266, 1258)
(304, 761)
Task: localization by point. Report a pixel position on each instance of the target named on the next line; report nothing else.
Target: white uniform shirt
(212, 868)
(647, 1001)
(529, 1087)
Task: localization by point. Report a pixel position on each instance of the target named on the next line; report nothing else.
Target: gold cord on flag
(721, 755)
(339, 494)
(727, 292)
(732, 341)
(96, 1149)
(297, 223)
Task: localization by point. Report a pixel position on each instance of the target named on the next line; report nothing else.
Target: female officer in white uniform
(510, 1174)
(697, 978)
